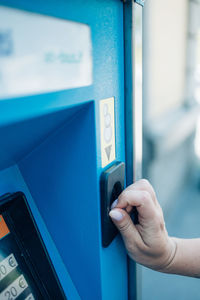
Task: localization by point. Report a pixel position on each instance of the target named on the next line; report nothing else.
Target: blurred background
(171, 143)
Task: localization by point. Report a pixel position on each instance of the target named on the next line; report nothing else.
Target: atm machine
(70, 141)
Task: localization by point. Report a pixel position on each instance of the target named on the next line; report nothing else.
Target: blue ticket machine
(70, 141)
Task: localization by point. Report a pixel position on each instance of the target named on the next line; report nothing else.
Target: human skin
(148, 242)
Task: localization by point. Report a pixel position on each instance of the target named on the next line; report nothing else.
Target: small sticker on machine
(15, 289)
(107, 127)
(7, 266)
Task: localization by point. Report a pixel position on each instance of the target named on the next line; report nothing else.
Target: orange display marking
(3, 227)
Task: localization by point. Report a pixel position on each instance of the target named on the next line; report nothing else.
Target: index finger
(143, 185)
(142, 200)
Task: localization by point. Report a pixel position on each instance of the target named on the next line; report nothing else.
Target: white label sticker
(14, 289)
(107, 127)
(7, 265)
(40, 54)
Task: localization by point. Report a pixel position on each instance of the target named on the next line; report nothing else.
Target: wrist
(169, 256)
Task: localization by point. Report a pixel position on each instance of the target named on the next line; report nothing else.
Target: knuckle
(146, 197)
(123, 196)
(147, 186)
(160, 220)
(124, 227)
(145, 183)
(130, 247)
(158, 214)
(162, 226)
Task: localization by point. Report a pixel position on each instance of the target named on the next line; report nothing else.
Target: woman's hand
(147, 242)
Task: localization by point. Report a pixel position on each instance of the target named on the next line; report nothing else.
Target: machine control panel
(26, 272)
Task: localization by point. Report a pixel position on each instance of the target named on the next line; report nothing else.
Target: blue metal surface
(52, 141)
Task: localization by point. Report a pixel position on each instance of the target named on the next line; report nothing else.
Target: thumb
(123, 222)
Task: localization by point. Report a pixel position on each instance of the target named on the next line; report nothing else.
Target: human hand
(147, 242)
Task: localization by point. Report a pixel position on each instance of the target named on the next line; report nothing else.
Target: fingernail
(114, 204)
(116, 215)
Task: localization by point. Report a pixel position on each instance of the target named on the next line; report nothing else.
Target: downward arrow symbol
(108, 151)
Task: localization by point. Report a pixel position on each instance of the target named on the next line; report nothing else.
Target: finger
(129, 208)
(142, 200)
(126, 227)
(143, 185)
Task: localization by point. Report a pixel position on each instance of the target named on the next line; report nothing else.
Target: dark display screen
(26, 272)
(15, 279)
